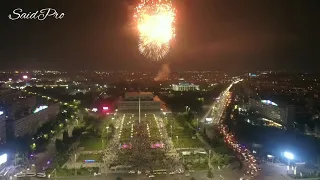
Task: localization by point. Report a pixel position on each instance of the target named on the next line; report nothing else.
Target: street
(218, 175)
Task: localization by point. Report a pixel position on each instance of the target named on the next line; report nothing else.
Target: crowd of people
(141, 157)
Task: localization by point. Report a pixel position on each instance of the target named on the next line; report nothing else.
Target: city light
(209, 120)
(1, 112)
(40, 108)
(3, 158)
(268, 102)
(288, 155)
(105, 108)
(94, 109)
(25, 77)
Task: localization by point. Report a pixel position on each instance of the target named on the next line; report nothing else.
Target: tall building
(283, 114)
(2, 127)
(148, 102)
(30, 123)
(184, 86)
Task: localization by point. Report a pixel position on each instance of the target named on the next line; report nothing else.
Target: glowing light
(3, 158)
(155, 20)
(1, 112)
(89, 161)
(25, 77)
(105, 108)
(40, 108)
(268, 102)
(94, 109)
(209, 119)
(288, 155)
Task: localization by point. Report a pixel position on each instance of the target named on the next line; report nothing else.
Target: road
(219, 106)
(272, 171)
(126, 176)
(268, 171)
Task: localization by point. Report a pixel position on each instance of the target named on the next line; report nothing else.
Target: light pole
(171, 130)
(102, 143)
(289, 156)
(187, 109)
(177, 139)
(107, 133)
(209, 164)
(197, 124)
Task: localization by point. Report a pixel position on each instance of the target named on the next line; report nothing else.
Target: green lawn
(196, 162)
(96, 157)
(184, 133)
(154, 130)
(126, 130)
(186, 142)
(93, 143)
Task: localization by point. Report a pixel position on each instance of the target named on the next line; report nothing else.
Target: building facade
(185, 87)
(29, 124)
(134, 105)
(280, 114)
(131, 102)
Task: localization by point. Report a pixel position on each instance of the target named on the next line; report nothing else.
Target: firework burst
(155, 19)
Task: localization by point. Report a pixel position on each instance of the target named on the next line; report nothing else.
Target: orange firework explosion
(155, 19)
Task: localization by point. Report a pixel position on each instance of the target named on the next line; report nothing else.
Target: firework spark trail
(155, 20)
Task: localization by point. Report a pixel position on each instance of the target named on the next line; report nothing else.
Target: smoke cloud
(163, 74)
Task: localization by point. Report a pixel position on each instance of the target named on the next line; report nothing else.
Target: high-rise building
(283, 114)
(30, 123)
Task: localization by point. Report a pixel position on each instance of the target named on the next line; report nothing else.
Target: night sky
(211, 35)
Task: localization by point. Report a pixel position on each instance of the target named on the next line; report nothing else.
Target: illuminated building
(184, 86)
(131, 102)
(30, 123)
(282, 114)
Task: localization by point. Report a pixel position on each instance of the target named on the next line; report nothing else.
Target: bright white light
(268, 102)
(1, 112)
(94, 109)
(288, 155)
(105, 108)
(40, 108)
(25, 77)
(209, 119)
(270, 156)
(3, 158)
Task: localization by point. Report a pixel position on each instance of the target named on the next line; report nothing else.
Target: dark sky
(211, 35)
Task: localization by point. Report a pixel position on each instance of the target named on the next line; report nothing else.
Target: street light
(187, 109)
(289, 156)
(177, 140)
(107, 132)
(197, 124)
